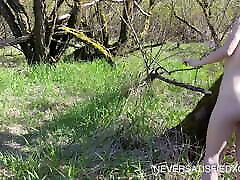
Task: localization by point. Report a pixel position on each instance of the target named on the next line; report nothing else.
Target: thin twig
(147, 46)
(187, 23)
(181, 70)
(210, 25)
(159, 52)
(136, 39)
(223, 12)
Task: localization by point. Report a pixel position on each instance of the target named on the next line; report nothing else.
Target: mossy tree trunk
(58, 47)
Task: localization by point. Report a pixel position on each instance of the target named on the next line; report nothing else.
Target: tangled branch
(155, 75)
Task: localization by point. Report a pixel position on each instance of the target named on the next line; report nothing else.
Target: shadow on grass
(11, 60)
(85, 119)
(12, 144)
(100, 140)
(95, 138)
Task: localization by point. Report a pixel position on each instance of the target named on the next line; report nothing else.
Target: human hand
(192, 62)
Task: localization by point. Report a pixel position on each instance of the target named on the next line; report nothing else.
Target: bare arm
(215, 56)
(226, 50)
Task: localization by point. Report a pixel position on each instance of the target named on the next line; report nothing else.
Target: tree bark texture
(16, 18)
(127, 8)
(57, 49)
(40, 51)
(102, 18)
(148, 19)
(39, 48)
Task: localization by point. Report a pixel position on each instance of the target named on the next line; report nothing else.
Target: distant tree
(42, 42)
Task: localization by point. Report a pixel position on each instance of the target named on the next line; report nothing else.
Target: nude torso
(229, 94)
(225, 117)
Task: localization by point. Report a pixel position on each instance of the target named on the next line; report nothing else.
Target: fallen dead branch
(155, 75)
(14, 41)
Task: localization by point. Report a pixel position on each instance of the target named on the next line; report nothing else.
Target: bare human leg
(220, 129)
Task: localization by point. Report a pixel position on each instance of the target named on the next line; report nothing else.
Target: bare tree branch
(52, 24)
(147, 46)
(188, 24)
(181, 70)
(21, 15)
(59, 3)
(13, 23)
(69, 44)
(223, 12)
(90, 3)
(141, 9)
(15, 41)
(9, 17)
(116, 1)
(211, 27)
(154, 75)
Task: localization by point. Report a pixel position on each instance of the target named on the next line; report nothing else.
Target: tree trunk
(102, 18)
(125, 19)
(57, 49)
(39, 32)
(18, 22)
(192, 131)
(41, 47)
(195, 123)
(148, 20)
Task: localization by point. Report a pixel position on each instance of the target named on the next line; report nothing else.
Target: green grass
(78, 121)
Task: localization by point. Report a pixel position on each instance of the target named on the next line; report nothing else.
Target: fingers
(192, 62)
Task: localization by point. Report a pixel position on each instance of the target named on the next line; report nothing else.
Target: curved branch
(89, 41)
(9, 17)
(210, 26)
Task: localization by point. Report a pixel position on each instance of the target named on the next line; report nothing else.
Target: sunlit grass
(86, 120)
